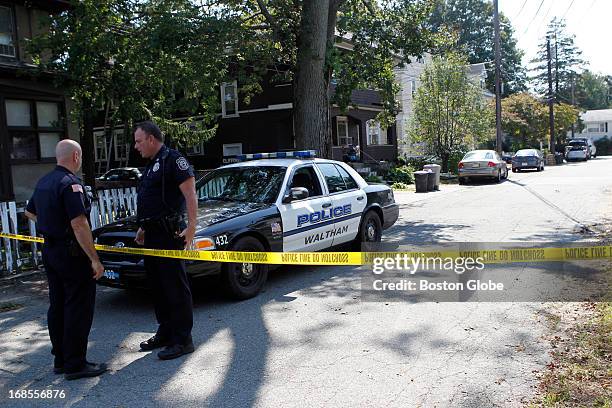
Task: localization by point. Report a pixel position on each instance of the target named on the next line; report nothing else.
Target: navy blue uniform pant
(72, 295)
(171, 290)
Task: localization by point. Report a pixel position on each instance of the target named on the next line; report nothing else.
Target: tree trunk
(87, 145)
(445, 158)
(310, 96)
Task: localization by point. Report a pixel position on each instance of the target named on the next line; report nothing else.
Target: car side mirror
(296, 193)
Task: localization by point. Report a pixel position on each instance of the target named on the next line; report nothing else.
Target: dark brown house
(32, 111)
(266, 125)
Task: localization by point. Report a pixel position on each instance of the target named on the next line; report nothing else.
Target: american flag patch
(77, 188)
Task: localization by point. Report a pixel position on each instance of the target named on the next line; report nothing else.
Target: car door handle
(326, 205)
(360, 198)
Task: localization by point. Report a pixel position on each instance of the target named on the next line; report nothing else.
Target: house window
(34, 128)
(101, 152)
(342, 131)
(375, 134)
(413, 87)
(122, 145)
(232, 149)
(229, 99)
(597, 128)
(196, 149)
(7, 33)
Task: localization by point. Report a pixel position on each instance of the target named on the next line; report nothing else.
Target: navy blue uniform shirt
(174, 169)
(58, 198)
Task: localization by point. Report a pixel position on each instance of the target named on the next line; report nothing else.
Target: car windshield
(246, 184)
(478, 155)
(526, 153)
(577, 143)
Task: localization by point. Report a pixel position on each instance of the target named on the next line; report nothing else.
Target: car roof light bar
(298, 154)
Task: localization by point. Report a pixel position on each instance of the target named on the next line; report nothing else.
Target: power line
(534, 17)
(568, 9)
(521, 10)
(547, 12)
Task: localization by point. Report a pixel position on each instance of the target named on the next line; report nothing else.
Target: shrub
(603, 146)
(400, 186)
(372, 178)
(401, 174)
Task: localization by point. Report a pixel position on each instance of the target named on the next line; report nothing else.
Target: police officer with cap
(166, 190)
(60, 207)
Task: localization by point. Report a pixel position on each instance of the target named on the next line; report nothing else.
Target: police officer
(166, 189)
(60, 207)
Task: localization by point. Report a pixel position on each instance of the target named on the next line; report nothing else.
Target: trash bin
(420, 181)
(435, 168)
(431, 180)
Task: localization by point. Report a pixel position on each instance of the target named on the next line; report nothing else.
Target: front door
(348, 202)
(305, 221)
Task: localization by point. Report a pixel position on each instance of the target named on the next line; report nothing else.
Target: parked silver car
(528, 159)
(482, 164)
(577, 150)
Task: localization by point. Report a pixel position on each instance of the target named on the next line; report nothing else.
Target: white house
(597, 124)
(408, 78)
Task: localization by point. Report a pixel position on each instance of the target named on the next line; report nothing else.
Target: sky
(589, 20)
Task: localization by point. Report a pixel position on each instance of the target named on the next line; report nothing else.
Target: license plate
(476, 165)
(523, 163)
(110, 274)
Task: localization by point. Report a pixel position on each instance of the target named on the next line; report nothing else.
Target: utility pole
(556, 66)
(573, 100)
(498, 130)
(551, 112)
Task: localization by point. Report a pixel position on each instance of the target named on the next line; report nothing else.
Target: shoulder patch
(77, 188)
(182, 164)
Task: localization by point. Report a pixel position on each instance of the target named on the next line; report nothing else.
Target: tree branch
(369, 6)
(267, 15)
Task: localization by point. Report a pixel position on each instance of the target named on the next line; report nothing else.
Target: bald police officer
(166, 189)
(60, 207)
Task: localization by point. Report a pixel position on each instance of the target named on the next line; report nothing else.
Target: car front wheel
(370, 230)
(245, 280)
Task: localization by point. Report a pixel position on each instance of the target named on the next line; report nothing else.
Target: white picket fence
(107, 206)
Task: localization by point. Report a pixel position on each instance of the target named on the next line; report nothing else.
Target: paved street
(309, 340)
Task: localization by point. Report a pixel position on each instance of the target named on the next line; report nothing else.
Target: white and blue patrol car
(279, 202)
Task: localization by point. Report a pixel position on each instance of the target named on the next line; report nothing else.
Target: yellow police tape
(360, 258)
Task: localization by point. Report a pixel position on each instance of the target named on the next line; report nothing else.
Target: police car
(279, 202)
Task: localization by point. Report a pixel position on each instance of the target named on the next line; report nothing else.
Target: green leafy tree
(592, 91)
(566, 60)
(525, 120)
(145, 59)
(450, 114)
(137, 60)
(471, 21)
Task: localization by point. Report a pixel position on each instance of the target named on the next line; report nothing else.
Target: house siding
(17, 180)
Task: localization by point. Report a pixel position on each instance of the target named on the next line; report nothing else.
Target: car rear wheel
(370, 230)
(499, 176)
(245, 280)
(462, 180)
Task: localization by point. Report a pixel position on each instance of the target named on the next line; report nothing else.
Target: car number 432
(221, 240)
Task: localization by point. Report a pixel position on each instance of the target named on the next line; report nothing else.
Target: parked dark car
(528, 159)
(507, 157)
(121, 174)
